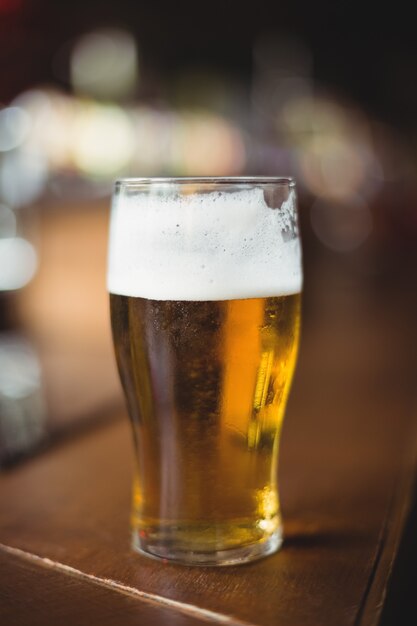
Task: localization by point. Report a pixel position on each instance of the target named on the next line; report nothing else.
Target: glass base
(167, 550)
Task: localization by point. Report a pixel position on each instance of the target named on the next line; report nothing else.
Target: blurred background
(90, 91)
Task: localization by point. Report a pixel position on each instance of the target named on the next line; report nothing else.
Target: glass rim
(205, 180)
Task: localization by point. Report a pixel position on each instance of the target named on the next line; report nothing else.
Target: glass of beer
(205, 276)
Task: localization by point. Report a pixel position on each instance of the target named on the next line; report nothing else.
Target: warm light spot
(207, 144)
(102, 142)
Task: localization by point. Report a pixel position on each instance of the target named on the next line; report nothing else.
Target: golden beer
(206, 385)
(204, 280)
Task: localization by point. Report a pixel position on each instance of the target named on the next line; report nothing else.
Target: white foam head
(220, 245)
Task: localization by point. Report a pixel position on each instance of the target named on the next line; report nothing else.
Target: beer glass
(205, 276)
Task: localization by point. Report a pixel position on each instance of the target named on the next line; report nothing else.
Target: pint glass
(205, 276)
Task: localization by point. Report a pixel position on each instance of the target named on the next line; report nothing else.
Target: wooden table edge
(398, 511)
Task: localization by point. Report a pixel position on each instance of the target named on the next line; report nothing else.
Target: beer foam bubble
(219, 245)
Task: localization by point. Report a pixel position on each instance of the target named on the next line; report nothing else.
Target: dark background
(366, 51)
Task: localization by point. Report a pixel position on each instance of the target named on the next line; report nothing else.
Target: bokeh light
(52, 118)
(102, 139)
(14, 127)
(18, 262)
(104, 64)
(99, 141)
(22, 177)
(333, 146)
(206, 145)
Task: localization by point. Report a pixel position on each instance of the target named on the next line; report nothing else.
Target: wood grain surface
(38, 594)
